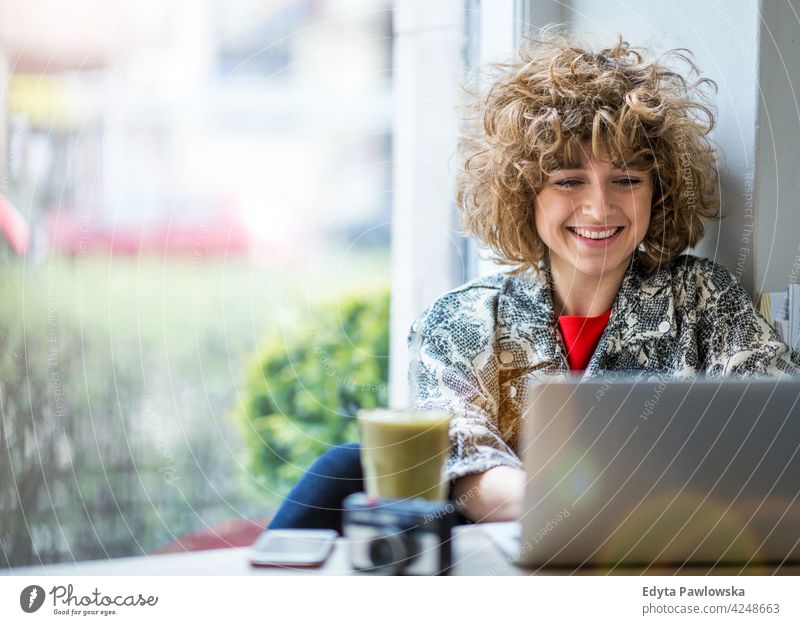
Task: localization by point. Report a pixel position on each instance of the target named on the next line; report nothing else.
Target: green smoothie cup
(403, 452)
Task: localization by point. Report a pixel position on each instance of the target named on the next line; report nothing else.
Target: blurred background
(186, 184)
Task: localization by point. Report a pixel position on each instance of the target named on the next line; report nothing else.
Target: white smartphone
(299, 547)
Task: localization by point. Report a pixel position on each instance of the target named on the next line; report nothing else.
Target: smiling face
(592, 218)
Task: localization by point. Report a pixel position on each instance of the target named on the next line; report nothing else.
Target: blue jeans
(316, 500)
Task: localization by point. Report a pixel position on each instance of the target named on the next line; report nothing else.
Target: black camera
(399, 536)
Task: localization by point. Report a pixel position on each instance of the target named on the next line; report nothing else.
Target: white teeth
(591, 234)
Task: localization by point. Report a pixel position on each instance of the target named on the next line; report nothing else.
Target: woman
(591, 174)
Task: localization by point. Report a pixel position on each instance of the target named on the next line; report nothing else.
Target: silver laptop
(626, 472)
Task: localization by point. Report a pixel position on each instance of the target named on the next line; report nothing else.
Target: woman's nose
(596, 203)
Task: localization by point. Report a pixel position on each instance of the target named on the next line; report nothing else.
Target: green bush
(302, 392)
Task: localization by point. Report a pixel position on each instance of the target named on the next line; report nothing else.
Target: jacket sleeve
(740, 341)
(453, 367)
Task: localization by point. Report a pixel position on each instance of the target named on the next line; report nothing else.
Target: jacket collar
(643, 311)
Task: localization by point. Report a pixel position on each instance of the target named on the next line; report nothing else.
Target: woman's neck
(581, 295)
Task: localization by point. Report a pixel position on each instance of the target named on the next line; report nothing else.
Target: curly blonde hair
(539, 109)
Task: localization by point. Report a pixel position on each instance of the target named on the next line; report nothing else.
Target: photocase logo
(65, 601)
(31, 598)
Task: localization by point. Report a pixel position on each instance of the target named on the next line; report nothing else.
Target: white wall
(427, 255)
(777, 179)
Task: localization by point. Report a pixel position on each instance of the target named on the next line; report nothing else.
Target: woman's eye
(567, 183)
(628, 182)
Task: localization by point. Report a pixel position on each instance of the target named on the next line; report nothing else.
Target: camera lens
(392, 552)
(386, 550)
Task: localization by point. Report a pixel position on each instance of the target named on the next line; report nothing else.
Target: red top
(581, 335)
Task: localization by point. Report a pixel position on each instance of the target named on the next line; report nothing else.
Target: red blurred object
(14, 227)
(222, 234)
(225, 535)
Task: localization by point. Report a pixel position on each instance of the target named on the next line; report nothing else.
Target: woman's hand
(494, 495)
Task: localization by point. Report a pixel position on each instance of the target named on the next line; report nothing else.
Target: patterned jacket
(480, 347)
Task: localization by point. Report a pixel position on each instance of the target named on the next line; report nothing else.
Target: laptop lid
(622, 471)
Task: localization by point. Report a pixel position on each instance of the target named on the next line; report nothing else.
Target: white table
(473, 554)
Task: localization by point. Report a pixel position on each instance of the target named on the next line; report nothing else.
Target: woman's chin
(601, 267)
